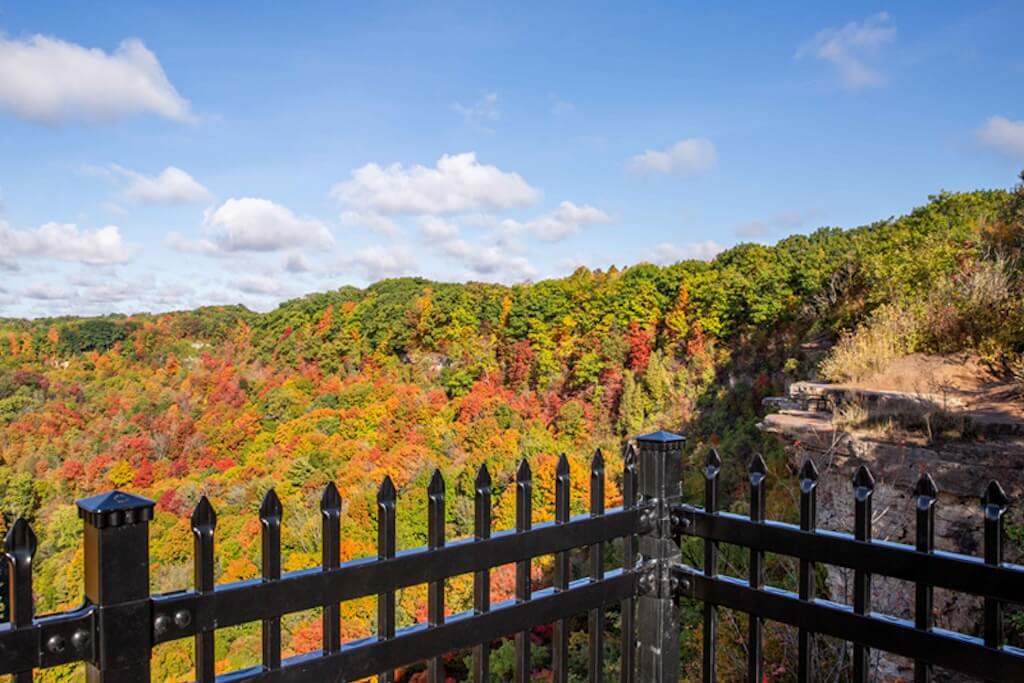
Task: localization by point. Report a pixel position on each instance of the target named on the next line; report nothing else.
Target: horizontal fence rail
(114, 632)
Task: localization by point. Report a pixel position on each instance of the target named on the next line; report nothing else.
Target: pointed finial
(436, 487)
(712, 460)
(271, 506)
(386, 492)
(597, 462)
(757, 465)
(523, 473)
(483, 478)
(204, 515)
(629, 455)
(863, 479)
(331, 499)
(808, 471)
(20, 538)
(562, 468)
(925, 487)
(995, 496)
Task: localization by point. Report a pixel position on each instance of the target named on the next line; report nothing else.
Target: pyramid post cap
(661, 437)
(115, 508)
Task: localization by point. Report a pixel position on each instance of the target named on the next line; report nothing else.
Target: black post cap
(115, 508)
(661, 440)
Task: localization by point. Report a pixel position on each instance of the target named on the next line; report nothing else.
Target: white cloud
(849, 48)
(665, 254)
(459, 183)
(564, 221)
(489, 262)
(377, 262)
(295, 262)
(46, 292)
(259, 284)
(48, 80)
(1003, 135)
(172, 186)
(374, 222)
(252, 224)
(484, 109)
(64, 242)
(434, 229)
(179, 242)
(692, 155)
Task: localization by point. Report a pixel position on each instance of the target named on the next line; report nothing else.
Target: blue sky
(157, 157)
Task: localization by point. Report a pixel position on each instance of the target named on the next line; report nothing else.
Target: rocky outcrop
(961, 470)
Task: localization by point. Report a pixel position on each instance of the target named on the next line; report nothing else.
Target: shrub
(891, 332)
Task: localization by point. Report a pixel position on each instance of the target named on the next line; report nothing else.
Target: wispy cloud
(789, 220)
(1003, 135)
(665, 253)
(480, 112)
(689, 156)
(851, 48)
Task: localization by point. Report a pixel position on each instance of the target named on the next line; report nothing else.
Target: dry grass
(890, 333)
(908, 419)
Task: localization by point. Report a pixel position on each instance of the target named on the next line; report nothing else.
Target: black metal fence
(116, 629)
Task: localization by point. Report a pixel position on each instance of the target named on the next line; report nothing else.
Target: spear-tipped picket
(994, 504)
(19, 548)
(808, 522)
(204, 523)
(712, 468)
(435, 589)
(482, 578)
(925, 494)
(560, 640)
(629, 549)
(757, 472)
(595, 620)
(524, 512)
(863, 490)
(330, 535)
(270, 519)
(386, 543)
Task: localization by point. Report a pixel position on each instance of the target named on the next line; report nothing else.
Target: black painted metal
(482, 578)
(524, 515)
(204, 523)
(925, 495)
(712, 468)
(116, 629)
(808, 523)
(758, 471)
(595, 619)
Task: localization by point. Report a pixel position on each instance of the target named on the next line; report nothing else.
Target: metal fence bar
(755, 657)
(863, 488)
(595, 619)
(808, 523)
(712, 468)
(330, 533)
(627, 672)
(925, 494)
(560, 637)
(524, 512)
(994, 504)
(270, 521)
(386, 543)
(19, 549)
(204, 523)
(482, 578)
(435, 589)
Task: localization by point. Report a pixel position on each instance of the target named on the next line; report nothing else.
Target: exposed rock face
(960, 469)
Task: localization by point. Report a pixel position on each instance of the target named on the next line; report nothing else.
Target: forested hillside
(408, 375)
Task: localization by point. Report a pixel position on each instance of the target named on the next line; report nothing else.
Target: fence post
(657, 618)
(117, 582)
